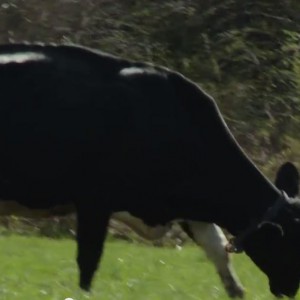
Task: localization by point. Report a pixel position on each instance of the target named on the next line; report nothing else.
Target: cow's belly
(13, 208)
(140, 227)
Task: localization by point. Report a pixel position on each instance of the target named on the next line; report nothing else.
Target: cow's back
(51, 119)
(75, 123)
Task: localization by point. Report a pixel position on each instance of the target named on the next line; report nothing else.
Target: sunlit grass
(37, 268)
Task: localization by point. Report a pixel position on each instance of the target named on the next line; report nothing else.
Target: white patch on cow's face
(21, 57)
(13, 208)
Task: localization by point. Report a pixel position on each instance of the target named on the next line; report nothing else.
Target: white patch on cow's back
(21, 57)
(132, 71)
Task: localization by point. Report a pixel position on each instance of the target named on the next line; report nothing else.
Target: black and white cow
(106, 134)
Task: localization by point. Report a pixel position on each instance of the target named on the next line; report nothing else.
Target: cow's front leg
(91, 231)
(212, 240)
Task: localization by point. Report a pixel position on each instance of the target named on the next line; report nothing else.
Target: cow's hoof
(84, 286)
(235, 291)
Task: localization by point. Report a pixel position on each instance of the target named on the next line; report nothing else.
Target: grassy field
(35, 268)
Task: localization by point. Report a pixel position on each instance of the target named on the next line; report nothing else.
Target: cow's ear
(287, 179)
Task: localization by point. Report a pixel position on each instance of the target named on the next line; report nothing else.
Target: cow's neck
(250, 209)
(247, 197)
(233, 200)
(239, 193)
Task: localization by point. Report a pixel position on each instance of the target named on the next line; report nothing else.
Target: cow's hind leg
(211, 238)
(91, 232)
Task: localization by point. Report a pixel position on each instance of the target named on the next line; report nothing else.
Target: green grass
(35, 268)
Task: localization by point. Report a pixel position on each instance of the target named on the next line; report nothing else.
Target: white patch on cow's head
(21, 57)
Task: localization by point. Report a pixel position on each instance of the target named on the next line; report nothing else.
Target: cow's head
(277, 256)
(275, 246)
